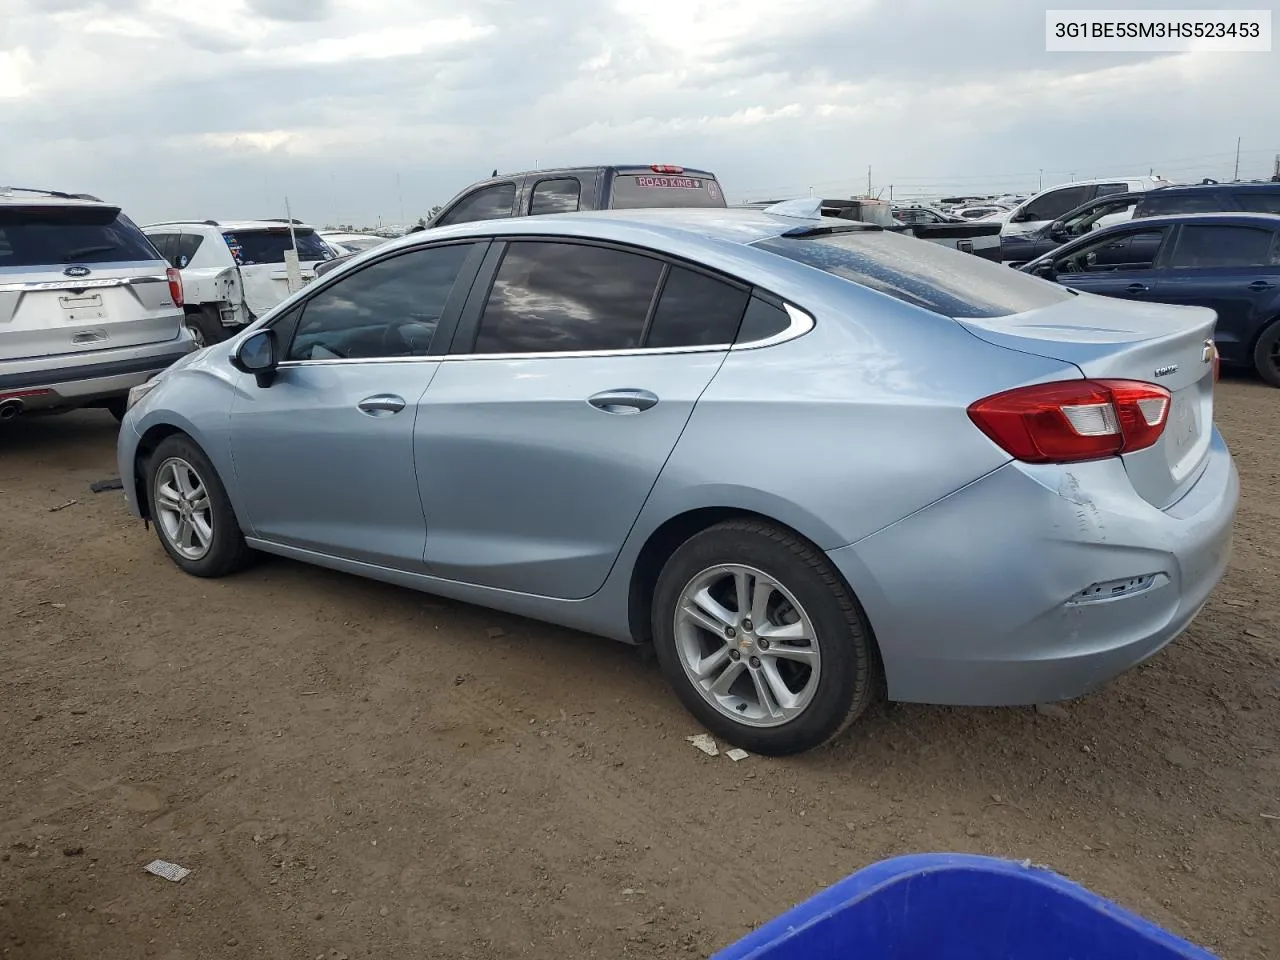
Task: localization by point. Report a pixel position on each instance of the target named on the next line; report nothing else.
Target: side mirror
(1058, 231)
(257, 355)
(1045, 270)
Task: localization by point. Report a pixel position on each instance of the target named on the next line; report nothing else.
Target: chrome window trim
(801, 323)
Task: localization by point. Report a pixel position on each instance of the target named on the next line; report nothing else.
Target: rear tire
(786, 673)
(1266, 354)
(205, 325)
(191, 511)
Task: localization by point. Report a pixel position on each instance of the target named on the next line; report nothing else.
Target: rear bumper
(79, 380)
(1036, 584)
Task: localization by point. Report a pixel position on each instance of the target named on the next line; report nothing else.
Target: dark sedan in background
(1228, 262)
(1105, 211)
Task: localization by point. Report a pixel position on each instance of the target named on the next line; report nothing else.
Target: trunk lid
(1171, 346)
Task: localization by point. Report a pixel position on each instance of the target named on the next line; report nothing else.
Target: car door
(1120, 263)
(572, 377)
(1232, 269)
(324, 453)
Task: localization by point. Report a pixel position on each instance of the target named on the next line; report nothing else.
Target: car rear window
(32, 236)
(252, 247)
(642, 191)
(921, 273)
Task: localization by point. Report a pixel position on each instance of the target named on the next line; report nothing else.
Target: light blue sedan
(809, 460)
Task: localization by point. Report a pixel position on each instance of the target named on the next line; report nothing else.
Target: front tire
(1266, 354)
(205, 326)
(192, 514)
(761, 639)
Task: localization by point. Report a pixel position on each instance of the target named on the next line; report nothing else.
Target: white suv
(88, 308)
(234, 271)
(1048, 205)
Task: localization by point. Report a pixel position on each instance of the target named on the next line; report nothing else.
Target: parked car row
(757, 439)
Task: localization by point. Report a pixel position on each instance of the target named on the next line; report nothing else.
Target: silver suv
(88, 307)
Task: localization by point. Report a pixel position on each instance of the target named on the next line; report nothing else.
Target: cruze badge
(1166, 371)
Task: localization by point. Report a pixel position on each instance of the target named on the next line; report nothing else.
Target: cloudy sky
(360, 109)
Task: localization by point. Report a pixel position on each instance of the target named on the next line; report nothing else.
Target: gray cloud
(301, 11)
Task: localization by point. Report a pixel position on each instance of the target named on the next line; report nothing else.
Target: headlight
(142, 389)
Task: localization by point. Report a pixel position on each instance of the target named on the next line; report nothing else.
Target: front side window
(554, 297)
(1136, 250)
(489, 203)
(924, 274)
(555, 196)
(1259, 202)
(1165, 205)
(1222, 246)
(1054, 204)
(388, 309)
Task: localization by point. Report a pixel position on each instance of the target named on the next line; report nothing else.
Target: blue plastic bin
(957, 907)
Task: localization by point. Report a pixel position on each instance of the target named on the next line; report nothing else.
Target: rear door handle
(1261, 285)
(381, 405)
(1136, 288)
(623, 401)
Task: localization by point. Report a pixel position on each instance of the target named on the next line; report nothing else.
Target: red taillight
(175, 285)
(1074, 419)
(665, 168)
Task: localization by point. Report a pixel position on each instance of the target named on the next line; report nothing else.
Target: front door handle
(381, 405)
(1261, 285)
(1136, 288)
(623, 401)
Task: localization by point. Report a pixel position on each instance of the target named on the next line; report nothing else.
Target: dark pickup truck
(569, 189)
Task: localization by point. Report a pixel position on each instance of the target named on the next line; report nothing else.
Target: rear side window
(1105, 188)
(555, 297)
(555, 196)
(695, 310)
(491, 203)
(187, 248)
(167, 244)
(32, 236)
(1164, 204)
(921, 273)
(1055, 203)
(637, 191)
(254, 247)
(1259, 202)
(1223, 246)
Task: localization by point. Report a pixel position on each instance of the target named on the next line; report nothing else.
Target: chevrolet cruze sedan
(809, 460)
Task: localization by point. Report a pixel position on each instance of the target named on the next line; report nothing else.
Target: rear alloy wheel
(761, 639)
(192, 514)
(1266, 354)
(205, 326)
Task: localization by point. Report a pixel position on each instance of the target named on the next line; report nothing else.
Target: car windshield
(46, 236)
(251, 247)
(634, 191)
(919, 272)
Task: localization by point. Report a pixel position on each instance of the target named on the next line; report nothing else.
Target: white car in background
(346, 243)
(234, 271)
(1048, 205)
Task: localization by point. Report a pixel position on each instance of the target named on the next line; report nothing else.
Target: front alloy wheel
(184, 512)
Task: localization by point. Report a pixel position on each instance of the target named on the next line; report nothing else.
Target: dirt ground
(354, 770)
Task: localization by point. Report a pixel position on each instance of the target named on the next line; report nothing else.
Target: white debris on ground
(170, 871)
(705, 743)
(735, 755)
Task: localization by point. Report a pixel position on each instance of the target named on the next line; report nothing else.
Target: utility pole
(1042, 178)
(868, 183)
(1276, 176)
(891, 194)
(1236, 176)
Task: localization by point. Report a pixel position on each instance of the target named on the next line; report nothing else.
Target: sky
(360, 110)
